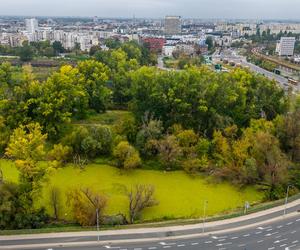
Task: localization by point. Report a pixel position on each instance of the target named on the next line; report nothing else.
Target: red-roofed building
(155, 44)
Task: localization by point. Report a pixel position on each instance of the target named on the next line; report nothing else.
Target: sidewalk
(238, 222)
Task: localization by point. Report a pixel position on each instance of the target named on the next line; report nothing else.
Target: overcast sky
(256, 9)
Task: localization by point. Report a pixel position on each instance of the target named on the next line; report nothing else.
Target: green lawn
(110, 117)
(180, 195)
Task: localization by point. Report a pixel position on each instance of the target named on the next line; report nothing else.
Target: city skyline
(229, 9)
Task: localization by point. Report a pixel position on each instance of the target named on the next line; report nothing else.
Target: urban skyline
(231, 9)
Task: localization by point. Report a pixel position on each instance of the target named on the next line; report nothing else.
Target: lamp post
(286, 198)
(97, 218)
(204, 214)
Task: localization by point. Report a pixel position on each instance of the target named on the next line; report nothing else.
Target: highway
(268, 230)
(231, 55)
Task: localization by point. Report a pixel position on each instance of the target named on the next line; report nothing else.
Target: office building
(172, 25)
(286, 46)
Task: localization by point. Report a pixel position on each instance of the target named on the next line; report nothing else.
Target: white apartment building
(286, 46)
(32, 25)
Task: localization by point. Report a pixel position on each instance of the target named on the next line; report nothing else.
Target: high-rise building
(286, 46)
(32, 25)
(172, 25)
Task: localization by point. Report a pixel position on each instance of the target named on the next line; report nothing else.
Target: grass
(110, 117)
(179, 195)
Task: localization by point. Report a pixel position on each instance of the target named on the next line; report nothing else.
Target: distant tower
(95, 20)
(172, 25)
(32, 25)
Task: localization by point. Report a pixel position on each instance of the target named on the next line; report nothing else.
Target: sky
(231, 9)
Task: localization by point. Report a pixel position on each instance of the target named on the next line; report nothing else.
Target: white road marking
(288, 248)
(278, 241)
(279, 226)
(246, 235)
(258, 232)
(195, 243)
(294, 242)
(151, 248)
(241, 245)
(271, 248)
(233, 238)
(221, 240)
(268, 230)
(298, 220)
(283, 245)
(260, 241)
(279, 236)
(293, 232)
(166, 246)
(290, 223)
(181, 245)
(224, 244)
(208, 242)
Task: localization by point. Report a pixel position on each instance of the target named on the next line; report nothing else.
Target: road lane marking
(294, 242)
(181, 245)
(258, 232)
(290, 223)
(283, 245)
(208, 242)
(246, 235)
(195, 243)
(271, 248)
(293, 232)
(241, 245)
(260, 241)
(234, 238)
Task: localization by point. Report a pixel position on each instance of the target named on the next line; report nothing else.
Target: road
(268, 230)
(231, 55)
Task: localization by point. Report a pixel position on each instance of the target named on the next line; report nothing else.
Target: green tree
(26, 53)
(26, 147)
(126, 155)
(95, 76)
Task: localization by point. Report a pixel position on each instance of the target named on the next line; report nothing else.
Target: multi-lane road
(231, 55)
(266, 230)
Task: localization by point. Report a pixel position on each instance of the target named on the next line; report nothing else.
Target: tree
(59, 155)
(15, 212)
(169, 151)
(95, 76)
(55, 201)
(140, 197)
(58, 47)
(210, 43)
(59, 99)
(126, 155)
(26, 147)
(25, 53)
(90, 141)
(272, 163)
(193, 166)
(84, 204)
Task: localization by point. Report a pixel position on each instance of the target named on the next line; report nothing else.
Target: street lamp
(286, 198)
(204, 214)
(97, 218)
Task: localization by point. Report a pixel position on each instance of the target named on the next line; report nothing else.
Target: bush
(127, 156)
(193, 166)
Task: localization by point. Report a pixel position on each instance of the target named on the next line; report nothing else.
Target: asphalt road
(283, 234)
(231, 55)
